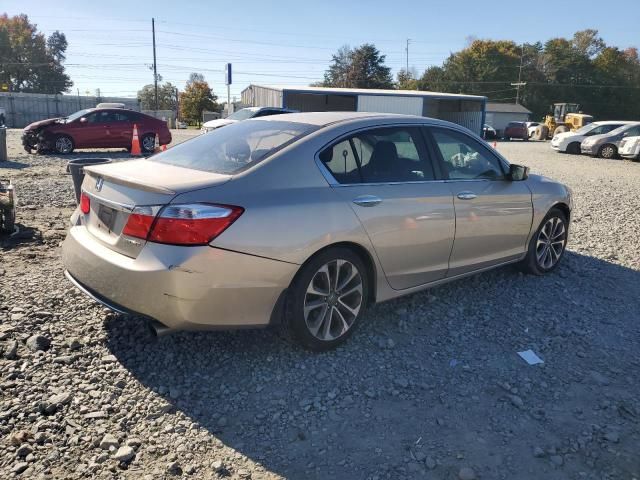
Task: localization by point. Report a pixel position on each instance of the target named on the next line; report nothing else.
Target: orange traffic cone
(135, 142)
(156, 144)
(164, 148)
(495, 144)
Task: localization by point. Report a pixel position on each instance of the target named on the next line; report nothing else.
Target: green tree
(362, 67)
(30, 62)
(166, 97)
(196, 98)
(406, 80)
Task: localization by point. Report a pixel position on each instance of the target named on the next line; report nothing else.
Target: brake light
(85, 203)
(140, 221)
(192, 224)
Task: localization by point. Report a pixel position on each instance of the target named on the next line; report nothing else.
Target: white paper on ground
(530, 357)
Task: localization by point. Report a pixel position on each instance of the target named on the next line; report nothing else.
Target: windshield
(622, 129)
(242, 114)
(586, 129)
(234, 148)
(75, 116)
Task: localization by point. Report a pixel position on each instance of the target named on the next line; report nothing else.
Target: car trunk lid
(115, 189)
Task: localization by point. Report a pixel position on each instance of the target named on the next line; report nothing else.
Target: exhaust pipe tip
(158, 329)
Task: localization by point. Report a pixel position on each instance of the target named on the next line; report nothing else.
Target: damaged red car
(94, 128)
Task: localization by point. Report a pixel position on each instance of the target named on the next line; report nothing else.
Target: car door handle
(367, 200)
(466, 195)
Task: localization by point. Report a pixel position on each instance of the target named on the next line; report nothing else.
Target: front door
(493, 214)
(386, 177)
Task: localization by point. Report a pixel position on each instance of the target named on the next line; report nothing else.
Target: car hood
(42, 123)
(220, 122)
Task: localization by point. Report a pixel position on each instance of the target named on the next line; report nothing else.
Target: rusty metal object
(8, 201)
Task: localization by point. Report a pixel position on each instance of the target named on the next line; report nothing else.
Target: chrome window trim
(123, 207)
(328, 176)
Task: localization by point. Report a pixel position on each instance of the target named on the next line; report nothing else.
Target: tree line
(603, 79)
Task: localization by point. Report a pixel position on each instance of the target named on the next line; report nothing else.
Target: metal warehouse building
(465, 110)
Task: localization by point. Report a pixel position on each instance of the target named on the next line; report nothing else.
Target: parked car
(248, 226)
(606, 145)
(531, 127)
(569, 142)
(94, 128)
(488, 132)
(181, 125)
(243, 114)
(516, 130)
(630, 148)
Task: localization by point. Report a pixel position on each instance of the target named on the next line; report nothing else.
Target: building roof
(326, 118)
(493, 107)
(368, 91)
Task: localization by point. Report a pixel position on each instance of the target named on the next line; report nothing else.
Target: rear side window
(234, 148)
(381, 155)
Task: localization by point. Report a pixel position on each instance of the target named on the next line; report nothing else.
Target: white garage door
(390, 104)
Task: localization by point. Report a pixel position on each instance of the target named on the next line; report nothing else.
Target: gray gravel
(429, 387)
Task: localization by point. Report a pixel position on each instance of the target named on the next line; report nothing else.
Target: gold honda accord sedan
(305, 219)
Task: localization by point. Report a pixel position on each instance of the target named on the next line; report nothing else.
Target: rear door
(493, 214)
(387, 177)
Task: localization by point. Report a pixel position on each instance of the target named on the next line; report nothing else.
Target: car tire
(608, 151)
(547, 245)
(148, 143)
(525, 138)
(63, 145)
(327, 299)
(573, 148)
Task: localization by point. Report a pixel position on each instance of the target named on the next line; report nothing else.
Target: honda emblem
(99, 183)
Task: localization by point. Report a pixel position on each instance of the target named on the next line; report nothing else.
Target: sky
(291, 42)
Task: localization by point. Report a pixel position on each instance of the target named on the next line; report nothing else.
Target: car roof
(322, 119)
(615, 122)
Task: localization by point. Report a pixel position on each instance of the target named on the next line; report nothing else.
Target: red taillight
(85, 203)
(194, 224)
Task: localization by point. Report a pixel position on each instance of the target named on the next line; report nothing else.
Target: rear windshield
(234, 148)
(515, 124)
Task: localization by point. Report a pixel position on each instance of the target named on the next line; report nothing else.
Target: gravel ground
(430, 387)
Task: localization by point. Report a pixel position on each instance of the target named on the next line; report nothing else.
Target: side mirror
(518, 173)
(83, 120)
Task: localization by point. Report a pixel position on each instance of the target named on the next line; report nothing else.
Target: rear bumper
(184, 288)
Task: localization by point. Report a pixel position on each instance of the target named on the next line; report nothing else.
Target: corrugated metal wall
(390, 104)
(256, 96)
(471, 120)
(21, 109)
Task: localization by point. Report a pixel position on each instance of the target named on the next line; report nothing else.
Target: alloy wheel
(551, 242)
(608, 152)
(64, 145)
(149, 143)
(333, 300)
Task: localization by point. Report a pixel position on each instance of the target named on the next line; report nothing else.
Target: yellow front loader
(566, 117)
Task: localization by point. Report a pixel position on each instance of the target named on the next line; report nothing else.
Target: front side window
(381, 155)
(464, 158)
(234, 148)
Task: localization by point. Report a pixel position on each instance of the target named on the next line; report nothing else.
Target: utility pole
(155, 68)
(520, 83)
(407, 50)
